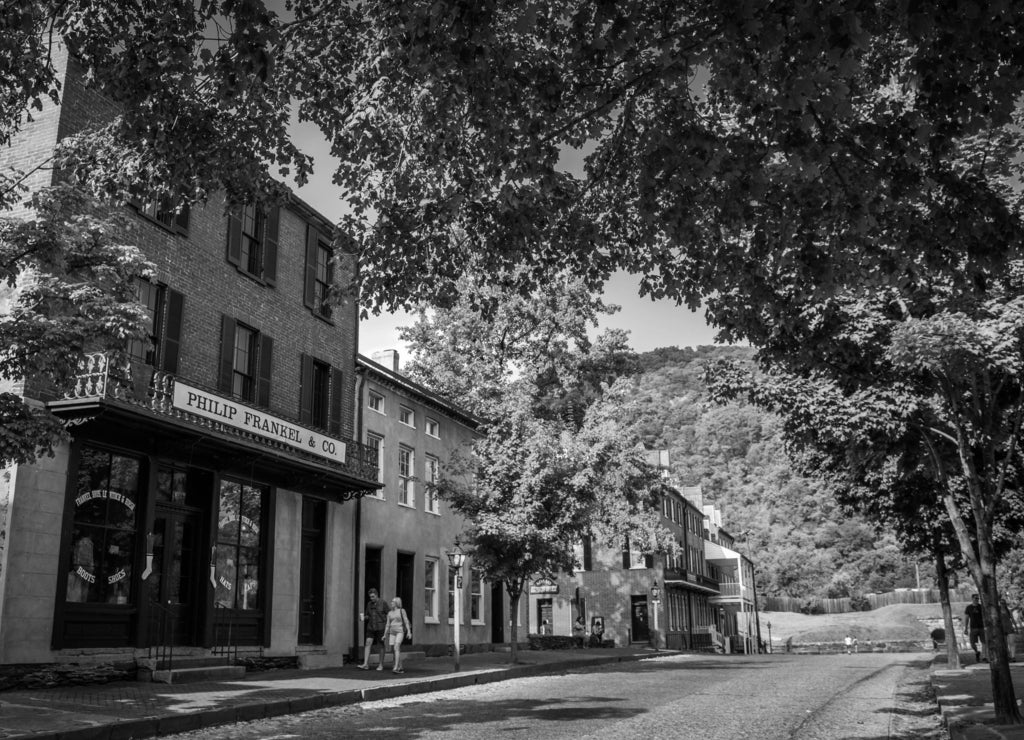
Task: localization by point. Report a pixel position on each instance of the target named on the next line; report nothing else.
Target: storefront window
(239, 545)
(103, 537)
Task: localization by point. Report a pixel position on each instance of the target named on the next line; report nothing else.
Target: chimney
(386, 357)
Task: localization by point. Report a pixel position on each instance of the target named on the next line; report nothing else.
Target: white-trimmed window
(432, 427)
(407, 416)
(431, 473)
(430, 591)
(375, 401)
(406, 492)
(376, 443)
(476, 596)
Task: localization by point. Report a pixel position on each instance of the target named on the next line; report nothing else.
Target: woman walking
(398, 627)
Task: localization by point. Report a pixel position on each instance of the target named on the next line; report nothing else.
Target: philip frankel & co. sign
(239, 416)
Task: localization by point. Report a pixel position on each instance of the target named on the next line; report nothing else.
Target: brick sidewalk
(122, 710)
(965, 700)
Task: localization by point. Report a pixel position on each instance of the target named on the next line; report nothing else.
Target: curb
(147, 727)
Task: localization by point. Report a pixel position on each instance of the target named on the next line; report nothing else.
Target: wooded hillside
(802, 542)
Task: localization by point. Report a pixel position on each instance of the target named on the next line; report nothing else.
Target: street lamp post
(655, 600)
(769, 635)
(456, 559)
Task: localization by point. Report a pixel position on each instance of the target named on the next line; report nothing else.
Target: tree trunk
(1003, 696)
(981, 565)
(515, 591)
(942, 579)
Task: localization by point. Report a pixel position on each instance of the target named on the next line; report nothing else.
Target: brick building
(206, 496)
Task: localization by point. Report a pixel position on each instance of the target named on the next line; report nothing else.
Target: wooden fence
(863, 603)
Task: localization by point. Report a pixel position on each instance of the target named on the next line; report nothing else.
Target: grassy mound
(897, 622)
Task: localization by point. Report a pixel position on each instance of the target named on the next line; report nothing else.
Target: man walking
(374, 619)
(975, 626)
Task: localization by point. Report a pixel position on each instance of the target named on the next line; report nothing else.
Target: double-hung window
(431, 474)
(432, 428)
(375, 401)
(160, 346)
(151, 297)
(321, 391)
(430, 590)
(476, 596)
(252, 241)
(246, 362)
(406, 492)
(407, 416)
(174, 220)
(376, 443)
(319, 277)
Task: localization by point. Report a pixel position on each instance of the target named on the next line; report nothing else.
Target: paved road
(859, 697)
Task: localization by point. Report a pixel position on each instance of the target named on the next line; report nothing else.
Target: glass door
(174, 582)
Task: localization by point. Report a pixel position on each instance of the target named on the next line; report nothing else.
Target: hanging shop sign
(239, 416)
(543, 586)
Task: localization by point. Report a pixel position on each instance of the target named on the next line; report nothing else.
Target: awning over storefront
(154, 423)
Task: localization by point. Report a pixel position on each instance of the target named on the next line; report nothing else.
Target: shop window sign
(103, 529)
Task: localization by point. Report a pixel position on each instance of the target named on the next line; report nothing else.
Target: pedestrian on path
(849, 644)
(579, 631)
(398, 627)
(374, 620)
(975, 626)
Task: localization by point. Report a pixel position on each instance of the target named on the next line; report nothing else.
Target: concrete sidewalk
(965, 700)
(122, 710)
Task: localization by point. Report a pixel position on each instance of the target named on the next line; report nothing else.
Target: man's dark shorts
(375, 636)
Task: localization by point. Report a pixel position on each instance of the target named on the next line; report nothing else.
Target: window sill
(433, 436)
(255, 278)
(326, 319)
(431, 620)
(407, 506)
(376, 411)
(478, 623)
(435, 513)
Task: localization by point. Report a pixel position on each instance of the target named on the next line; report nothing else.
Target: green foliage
(555, 463)
(66, 286)
(803, 542)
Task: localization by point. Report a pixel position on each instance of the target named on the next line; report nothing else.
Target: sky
(651, 324)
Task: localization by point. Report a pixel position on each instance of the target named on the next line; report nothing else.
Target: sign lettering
(239, 416)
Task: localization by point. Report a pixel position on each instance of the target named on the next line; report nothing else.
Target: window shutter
(227, 353)
(625, 555)
(181, 220)
(270, 245)
(337, 393)
(266, 360)
(172, 335)
(305, 388)
(234, 237)
(312, 244)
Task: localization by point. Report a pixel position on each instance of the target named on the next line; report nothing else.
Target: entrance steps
(191, 670)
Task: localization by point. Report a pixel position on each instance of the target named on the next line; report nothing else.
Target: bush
(551, 642)
(938, 634)
(860, 604)
(812, 607)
